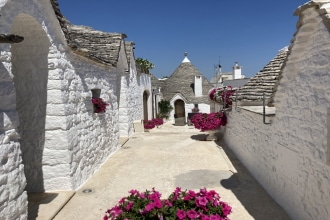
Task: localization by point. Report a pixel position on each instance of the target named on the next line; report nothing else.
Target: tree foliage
(144, 65)
(164, 108)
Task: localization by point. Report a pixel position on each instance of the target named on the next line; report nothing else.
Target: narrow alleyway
(165, 158)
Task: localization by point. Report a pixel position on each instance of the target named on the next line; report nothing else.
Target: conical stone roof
(264, 82)
(182, 82)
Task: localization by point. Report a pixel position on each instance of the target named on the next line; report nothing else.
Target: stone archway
(145, 105)
(30, 70)
(179, 108)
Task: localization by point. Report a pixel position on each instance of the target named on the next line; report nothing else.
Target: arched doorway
(145, 105)
(179, 109)
(30, 70)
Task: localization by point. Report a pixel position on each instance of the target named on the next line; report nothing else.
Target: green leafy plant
(164, 108)
(145, 65)
(188, 204)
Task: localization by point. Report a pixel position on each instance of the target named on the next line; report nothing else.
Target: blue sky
(247, 32)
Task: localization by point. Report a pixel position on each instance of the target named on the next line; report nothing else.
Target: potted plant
(210, 122)
(150, 124)
(164, 108)
(188, 204)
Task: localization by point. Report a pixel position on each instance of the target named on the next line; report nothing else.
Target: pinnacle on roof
(185, 60)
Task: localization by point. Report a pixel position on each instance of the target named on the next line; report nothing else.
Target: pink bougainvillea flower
(149, 207)
(192, 214)
(122, 200)
(158, 204)
(133, 191)
(181, 214)
(226, 209)
(187, 197)
(129, 205)
(204, 217)
(168, 203)
(201, 201)
(191, 193)
(115, 211)
(215, 217)
(177, 190)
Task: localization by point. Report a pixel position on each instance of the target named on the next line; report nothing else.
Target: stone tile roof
(97, 45)
(102, 47)
(264, 81)
(182, 82)
(155, 82)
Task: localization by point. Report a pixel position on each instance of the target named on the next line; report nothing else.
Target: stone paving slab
(169, 157)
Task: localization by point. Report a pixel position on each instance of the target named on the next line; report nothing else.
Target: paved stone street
(165, 158)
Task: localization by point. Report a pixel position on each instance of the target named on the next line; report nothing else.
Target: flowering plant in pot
(150, 124)
(99, 105)
(222, 95)
(209, 121)
(188, 204)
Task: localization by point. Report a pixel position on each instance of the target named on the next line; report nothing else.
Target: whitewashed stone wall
(13, 199)
(52, 87)
(123, 75)
(289, 156)
(136, 96)
(144, 83)
(90, 137)
(123, 106)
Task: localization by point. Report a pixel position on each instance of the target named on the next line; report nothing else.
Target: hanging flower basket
(222, 95)
(99, 105)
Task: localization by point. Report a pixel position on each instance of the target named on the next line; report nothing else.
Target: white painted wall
(203, 108)
(144, 83)
(198, 86)
(289, 156)
(91, 137)
(52, 87)
(13, 199)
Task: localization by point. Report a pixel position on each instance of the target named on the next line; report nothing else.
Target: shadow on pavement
(249, 192)
(35, 200)
(199, 137)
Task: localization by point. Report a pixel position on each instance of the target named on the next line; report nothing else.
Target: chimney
(198, 86)
(237, 71)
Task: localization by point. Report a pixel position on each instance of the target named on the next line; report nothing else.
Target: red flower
(99, 105)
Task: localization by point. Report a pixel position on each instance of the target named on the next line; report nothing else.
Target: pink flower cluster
(153, 123)
(99, 105)
(211, 121)
(222, 95)
(203, 205)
